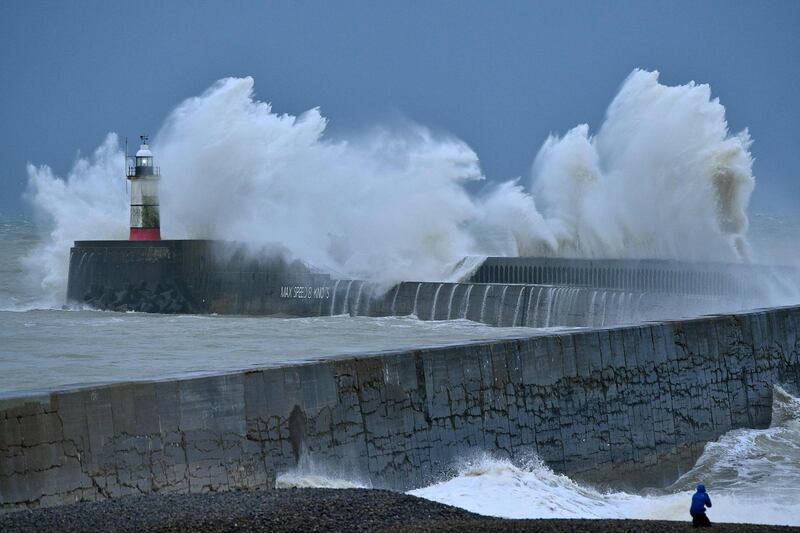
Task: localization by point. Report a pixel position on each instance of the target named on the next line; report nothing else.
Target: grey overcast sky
(499, 75)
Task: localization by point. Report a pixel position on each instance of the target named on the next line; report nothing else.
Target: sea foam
(752, 476)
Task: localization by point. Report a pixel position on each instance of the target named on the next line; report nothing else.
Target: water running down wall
(517, 304)
(632, 404)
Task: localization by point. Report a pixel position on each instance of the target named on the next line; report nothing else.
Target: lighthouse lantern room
(144, 177)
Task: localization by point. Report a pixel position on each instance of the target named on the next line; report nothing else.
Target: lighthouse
(144, 176)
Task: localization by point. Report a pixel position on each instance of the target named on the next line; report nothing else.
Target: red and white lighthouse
(144, 176)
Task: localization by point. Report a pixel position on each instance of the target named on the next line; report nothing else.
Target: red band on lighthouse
(145, 234)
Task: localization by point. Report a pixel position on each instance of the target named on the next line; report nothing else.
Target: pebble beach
(307, 509)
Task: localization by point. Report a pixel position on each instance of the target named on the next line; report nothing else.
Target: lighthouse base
(145, 234)
(197, 276)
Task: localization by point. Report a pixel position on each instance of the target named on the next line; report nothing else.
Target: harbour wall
(216, 277)
(640, 275)
(628, 404)
(507, 305)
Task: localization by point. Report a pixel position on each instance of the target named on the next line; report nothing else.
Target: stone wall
(625, 404)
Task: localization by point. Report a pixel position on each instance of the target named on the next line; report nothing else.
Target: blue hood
(700, 500)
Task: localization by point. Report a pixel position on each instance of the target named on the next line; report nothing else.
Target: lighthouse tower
(145, 220)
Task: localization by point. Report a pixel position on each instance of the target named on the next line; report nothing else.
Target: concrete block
(319, 386)
(212, 403)
(570, 364)
(616, 348)
(547, 362)
(10, 433)
(40, 428)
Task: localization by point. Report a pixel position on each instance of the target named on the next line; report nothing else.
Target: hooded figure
(700, 501)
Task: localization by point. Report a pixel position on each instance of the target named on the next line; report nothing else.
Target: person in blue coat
(700, 501)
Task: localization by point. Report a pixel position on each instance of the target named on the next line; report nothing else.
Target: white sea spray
(751, 474)
(662, 178)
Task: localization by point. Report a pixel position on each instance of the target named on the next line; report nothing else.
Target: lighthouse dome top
(144, 151)
(143, 167)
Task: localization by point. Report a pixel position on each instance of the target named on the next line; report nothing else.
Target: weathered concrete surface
(602, 404)
(192, 276)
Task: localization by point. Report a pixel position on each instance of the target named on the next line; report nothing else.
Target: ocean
(752, 475)
(43, 345)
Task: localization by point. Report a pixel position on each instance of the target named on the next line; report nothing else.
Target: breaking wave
(662, 178)
(752, 477)
(309, 474)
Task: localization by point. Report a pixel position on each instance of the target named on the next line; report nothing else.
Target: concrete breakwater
(500, 304)
(639, 275)
(224, 278)
(631, 404)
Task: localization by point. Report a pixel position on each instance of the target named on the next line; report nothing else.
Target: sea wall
(733, 280)
(193, 276)
(624, 404)
(501, 304)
